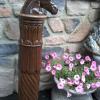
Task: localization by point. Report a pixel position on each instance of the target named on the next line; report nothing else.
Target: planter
(61, 95)
(73, 91)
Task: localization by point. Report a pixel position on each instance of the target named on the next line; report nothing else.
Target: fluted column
(30, 56)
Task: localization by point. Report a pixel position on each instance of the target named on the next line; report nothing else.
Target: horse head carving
(34, 7)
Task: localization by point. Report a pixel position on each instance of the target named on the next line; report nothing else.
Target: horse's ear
(26, 4)
(49, 6)
(30, 7)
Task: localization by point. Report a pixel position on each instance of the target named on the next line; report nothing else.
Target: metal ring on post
(28, 43)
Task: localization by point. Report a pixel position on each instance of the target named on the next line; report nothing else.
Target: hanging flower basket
(77, 75)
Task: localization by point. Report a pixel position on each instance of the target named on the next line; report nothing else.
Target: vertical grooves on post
(30, 57)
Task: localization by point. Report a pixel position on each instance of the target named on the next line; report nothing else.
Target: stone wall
(65, 31)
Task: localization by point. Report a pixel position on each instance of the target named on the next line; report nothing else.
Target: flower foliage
(78, 73)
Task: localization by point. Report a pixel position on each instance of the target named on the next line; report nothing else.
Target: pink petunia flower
(53, 55)
(70, 82)
(71, 58)
(67, 61)
(78, 56)
(93, 86)
(87, 58)
(98, 84)
(76, 82)
(93, 66)
(62, 80)
(46, 57)
(53, 72)
(86, 70)
(82, 61)
(60, 85)
(48, 68)
(81, 84)
(65, 56)
(58, 67)
(71, 65)
(54, 66)
(94, 63)
(76, 77)
(79, 89)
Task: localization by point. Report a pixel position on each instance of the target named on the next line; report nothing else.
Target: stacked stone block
(7, 67)
(65, 31)
(9, 35)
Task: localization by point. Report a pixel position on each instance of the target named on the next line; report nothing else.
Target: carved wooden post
(31, 26)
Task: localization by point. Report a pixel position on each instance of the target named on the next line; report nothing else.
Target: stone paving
(43, 95)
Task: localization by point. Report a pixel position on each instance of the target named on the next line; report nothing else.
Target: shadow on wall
(98, 14)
